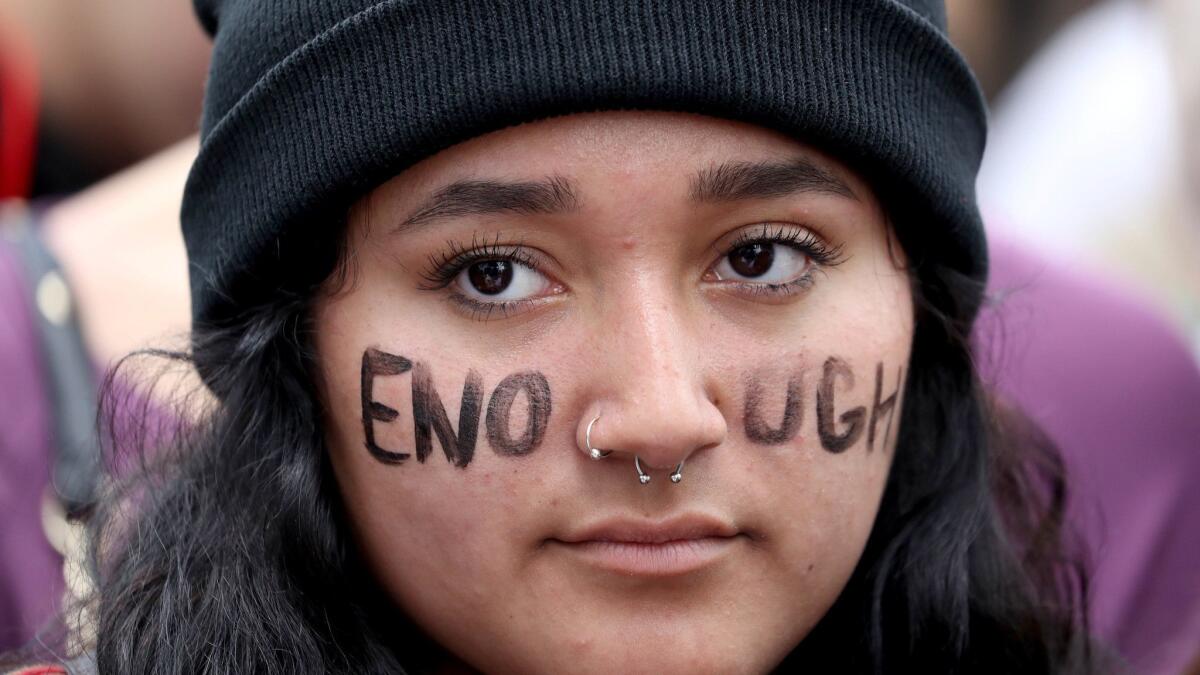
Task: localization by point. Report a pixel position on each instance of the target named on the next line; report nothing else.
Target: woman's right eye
(488, 278)
(500, 280)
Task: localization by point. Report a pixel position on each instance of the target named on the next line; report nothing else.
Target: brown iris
(491, 277)
(752, 260)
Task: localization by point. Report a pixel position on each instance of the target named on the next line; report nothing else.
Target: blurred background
(1090, 188)
(1094, 143)
(112, 82)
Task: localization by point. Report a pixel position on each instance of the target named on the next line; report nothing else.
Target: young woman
(586, 336)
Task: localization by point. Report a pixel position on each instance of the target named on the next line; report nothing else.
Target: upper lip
(642, 531)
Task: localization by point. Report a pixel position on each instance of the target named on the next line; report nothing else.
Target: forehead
(611, 146)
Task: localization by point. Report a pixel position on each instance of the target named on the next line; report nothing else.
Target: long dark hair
(226, 549)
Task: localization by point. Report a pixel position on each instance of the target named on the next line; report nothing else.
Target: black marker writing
(429, 414)
(852, 419)
(885, 407)
(537, 389)
(757, 429)
(377, 363)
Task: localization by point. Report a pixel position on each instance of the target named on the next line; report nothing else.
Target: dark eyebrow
(471, 197)
(734, 181)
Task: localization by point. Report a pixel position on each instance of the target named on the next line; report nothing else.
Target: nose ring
(644, 477)
(594, 453)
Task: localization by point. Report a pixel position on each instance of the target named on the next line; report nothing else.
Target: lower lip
(671, 558)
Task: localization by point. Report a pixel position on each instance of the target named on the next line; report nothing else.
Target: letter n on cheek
(757, 429)
(428, 411)
(536, 387)
(853, 419)
(376, 363)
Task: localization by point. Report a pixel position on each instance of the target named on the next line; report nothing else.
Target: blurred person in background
(86, 88)
(1093, 151)
(1087, 193)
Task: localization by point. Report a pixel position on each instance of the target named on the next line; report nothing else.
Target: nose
(652, 395)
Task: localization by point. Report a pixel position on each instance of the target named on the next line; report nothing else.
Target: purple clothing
(31, 579)
(1120, 394)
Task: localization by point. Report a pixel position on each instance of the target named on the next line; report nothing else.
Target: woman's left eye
(500, 280)
(763, 262)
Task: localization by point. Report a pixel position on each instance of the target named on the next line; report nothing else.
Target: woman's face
(708, 292)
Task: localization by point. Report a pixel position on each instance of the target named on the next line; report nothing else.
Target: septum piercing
(644, 477)
(594, 453)
(598, 454)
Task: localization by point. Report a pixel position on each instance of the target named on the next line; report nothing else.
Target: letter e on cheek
(377, 363)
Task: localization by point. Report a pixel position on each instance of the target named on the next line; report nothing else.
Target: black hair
(226, 549)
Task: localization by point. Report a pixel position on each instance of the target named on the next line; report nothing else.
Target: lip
(636, 547)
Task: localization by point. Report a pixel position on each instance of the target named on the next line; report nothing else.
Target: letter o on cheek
(537, 389)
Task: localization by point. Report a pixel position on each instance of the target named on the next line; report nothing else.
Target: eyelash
(444, 267)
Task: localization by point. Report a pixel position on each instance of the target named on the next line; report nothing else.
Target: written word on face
(837, 431)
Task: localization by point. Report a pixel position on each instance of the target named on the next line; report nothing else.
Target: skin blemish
(885, 407)
(853, 419)
(430, 415)
(376, 363)
(537, 391)
(757, 428)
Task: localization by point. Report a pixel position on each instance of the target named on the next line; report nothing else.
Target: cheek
(819, 439)
(432, 535)
(432, 519)
(432, 532)
(834, 501)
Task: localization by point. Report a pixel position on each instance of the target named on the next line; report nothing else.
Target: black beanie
(312, 103)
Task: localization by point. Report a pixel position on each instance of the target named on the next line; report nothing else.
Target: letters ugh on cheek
(837, 432)
(851, 422)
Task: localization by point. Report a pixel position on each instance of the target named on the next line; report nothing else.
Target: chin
(713, 640)
(635, 656)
